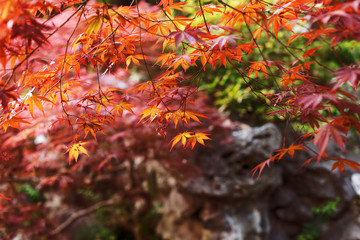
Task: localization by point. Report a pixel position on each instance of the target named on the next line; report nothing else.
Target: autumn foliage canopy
(54, 69)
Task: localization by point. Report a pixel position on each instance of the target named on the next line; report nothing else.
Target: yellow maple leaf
(75, 149)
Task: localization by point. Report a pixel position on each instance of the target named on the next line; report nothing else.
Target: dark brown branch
(21, 180)
(203, 15)
(82, 213)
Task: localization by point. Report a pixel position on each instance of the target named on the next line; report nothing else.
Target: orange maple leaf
(151, 112)
(119, 108)
(181, 136)
(13, 122)
(197, 137)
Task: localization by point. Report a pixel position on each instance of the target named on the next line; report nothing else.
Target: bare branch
(84, 212)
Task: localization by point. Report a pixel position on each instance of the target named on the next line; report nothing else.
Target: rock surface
(225, 202)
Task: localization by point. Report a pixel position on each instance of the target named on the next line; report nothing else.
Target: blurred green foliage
(31, 193)
(240, 97)
(234, 95)
(89, 194)
(312, 230)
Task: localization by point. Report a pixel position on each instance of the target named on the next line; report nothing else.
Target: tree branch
(82, 213)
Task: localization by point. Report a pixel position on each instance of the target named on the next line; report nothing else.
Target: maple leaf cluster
(45, 65)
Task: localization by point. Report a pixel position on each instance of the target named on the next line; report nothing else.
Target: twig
(36, 48)
(145, 62)
(63, 66)
(82, 213)
(202, 13)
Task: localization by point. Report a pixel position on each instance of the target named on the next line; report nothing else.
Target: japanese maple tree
(53, 73)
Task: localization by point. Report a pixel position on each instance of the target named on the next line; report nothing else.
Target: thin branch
(45, 40)
(64, 62)
(82, 213)
(202, 12)
(145, 62)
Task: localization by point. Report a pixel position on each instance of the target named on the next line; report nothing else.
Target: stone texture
(224, 202)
